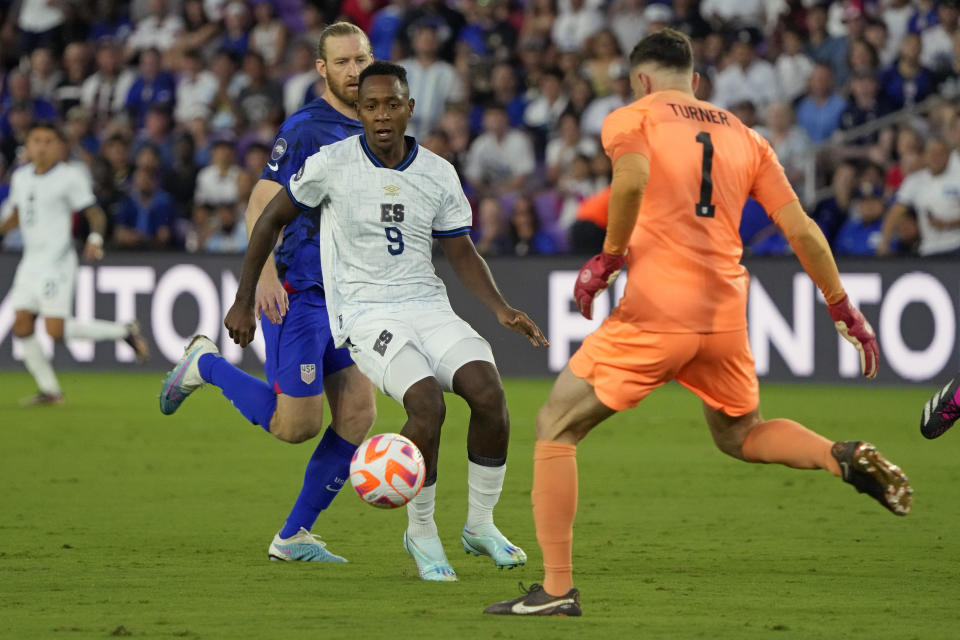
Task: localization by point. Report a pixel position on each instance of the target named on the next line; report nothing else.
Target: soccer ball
(387, 470)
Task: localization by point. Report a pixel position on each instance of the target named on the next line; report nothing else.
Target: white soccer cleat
(431, 560)
(302, 546)
(185, 378)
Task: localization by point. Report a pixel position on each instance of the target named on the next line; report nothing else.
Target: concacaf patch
(279, 148)
(299, 175)
(308, 373)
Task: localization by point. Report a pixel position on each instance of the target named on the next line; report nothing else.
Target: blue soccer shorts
(300, 349)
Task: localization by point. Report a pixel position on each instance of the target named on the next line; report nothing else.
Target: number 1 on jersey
(704, 208)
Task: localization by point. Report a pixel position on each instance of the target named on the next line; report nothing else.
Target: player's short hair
(49, 125)
(669, 48)
(338, 29)
(384, 68)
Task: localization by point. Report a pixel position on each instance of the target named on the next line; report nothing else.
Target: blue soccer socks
(251, 396)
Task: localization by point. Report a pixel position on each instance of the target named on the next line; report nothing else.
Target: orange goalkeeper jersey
(684, 271)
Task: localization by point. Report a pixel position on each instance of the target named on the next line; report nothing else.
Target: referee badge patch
(308, 373)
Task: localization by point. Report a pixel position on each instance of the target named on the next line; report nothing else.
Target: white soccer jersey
(938, 196)
(377, 227)
(45, 204)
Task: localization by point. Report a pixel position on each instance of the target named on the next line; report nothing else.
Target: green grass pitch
(116, 520)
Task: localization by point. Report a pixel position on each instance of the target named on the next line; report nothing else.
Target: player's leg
(723, 376)
(98, 330)
(941, 411)
(478, 382)
(48, 389)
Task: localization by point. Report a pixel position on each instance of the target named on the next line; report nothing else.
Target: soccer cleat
(537, 602)
(941, 411)
(137, 342)
(42, 398)
(869, 472)
(185, 378)
(431, 560)
(486, 540)
(302, 546)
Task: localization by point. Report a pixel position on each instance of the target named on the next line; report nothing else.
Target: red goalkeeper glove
(595, 276)
(854, 327)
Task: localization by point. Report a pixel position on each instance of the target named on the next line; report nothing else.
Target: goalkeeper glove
(596, 275)
(854, 327)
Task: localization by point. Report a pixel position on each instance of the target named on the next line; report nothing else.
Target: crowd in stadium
(173, 106)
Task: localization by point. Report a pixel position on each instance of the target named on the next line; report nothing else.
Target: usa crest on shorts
(308, 373)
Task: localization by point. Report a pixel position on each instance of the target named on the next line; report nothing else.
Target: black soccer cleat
(941, 410)
(870, 473)
(537, 602)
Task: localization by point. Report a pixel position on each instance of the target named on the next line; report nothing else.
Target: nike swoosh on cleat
(521, 608)
(845, 468)
(273, 166)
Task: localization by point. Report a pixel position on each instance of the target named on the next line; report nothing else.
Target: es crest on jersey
(279, 148)
(308, 373)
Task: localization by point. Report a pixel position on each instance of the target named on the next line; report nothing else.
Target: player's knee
(490, 400)
(294, 429)
(55, 332)
(730, 443)
(425, 405)
(354, 424)
(23, 328)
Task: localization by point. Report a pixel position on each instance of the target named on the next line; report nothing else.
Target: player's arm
(811, 247)
(271, 297)
(895, 217)
(97, 219)
(631, 171)
(240, 321)
(10, 223)
(473, 272)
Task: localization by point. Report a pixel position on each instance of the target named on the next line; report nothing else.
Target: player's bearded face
(344, 58)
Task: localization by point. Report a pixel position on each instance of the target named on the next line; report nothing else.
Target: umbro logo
(391, 190)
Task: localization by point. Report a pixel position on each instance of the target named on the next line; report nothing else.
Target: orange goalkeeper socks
(554, 508)
(789, 443)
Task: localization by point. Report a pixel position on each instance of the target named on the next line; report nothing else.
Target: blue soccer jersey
(314, 125)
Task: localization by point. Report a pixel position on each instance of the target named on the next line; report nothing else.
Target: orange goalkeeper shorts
(624, 364)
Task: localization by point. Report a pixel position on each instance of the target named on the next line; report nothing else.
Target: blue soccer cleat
(431, 561)
(486, 540)
(303, 546)
(185, 378)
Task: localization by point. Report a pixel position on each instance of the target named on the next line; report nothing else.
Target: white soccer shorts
(396, 351)
(47, 290)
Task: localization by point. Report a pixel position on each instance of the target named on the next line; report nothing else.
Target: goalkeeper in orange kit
(682, 171)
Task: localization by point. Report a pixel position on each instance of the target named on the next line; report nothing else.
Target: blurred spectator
(487, 34)
(604, 60)
(592, 120)
(819, 113)
(39, 23)
(445, 20)
(581, 95)
(217, 183)
(455, 125)
(181, 179)
(907, 82)
(896, 15)
(236, 36)
(862, 59)
(262, 98)
(105, 92)
(115, 152)
(525, 233)
(745, 75)
(830, 213)
(865, 105)
(574, 186)
(196, 88)
(861, 233)
(145, 218)
(544, 111)
(688, 19)
(909, 153)
(937, 41)
(13, 134)
(229, 86)
(494, 239)
(227, 232)
(628, 23)
(502, 90)
(823, 48)
(790, 142)
(199, 33)
(269, 35)
(731, 14)
(923, 17)
(384, 28)
(746, 113)
(81, 139)
(501, 159)
(158, 31)
(590, 228)
(152, 87)
(539, 16)
(157, 132)
(433, 82)
(45, 76)
(576, 22)
(112, 22)
(76, 68)
(19, 91)
(304, 74)
(567, 145)
(876, 34)
(793, 66)
(933, 194)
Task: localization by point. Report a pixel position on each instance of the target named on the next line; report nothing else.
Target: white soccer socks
(420, 523)
(38, 365)
(485, 485)
(94, 330)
